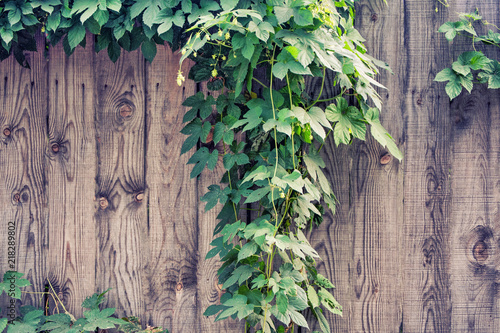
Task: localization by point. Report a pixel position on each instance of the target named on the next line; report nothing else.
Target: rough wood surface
(23, 111)
(170, 271)
(71, 163)
(120, 217)
(91, 174)
(427, 194)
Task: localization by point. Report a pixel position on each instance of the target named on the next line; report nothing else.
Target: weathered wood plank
(23, 111)
(474, 262)
(427, 205)
(120, 212)
(71, 169)
(360, 243)
(170, 279)
(474, 265)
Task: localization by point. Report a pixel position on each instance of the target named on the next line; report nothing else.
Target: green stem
(291, 104)
(321, 89)
(262, 84)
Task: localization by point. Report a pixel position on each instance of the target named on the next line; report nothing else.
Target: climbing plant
(471, 66)
(256, 115)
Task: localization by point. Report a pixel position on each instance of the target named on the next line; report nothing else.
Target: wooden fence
(92, 178)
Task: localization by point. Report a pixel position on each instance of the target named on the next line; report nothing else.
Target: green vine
(471, 66)
(254, 57)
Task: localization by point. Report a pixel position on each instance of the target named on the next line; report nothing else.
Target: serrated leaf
(75, 35)
(380, 134)
(247, 250)
(215, 194)
(148, 49)
(348, 121)
(313, 296)
(228, 5)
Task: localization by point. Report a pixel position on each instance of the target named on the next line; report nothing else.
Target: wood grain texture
(474, 262)
(475, 229)
(121, 218)
(427, 206)
(71, 163)
(170, 280)
(23, 198)
(360, 243)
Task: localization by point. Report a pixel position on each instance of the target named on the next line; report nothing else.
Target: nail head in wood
(55, 148)
(6, 131)
(17, 197)
(385, 159)
(179, 286)
(103, 203)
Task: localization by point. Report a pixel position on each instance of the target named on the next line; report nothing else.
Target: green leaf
(282, 301)
(348, 121)
(258, 194)
(148, 49)
(13, 278)
(380, 134)
(59, 322)
(3, 324)
(298, 318)
(249, 249)
(236, 304)
(323, 281)
(201, 158)
(213, 309)
(239, 275)
(329, 301)
(491, 74)
(93, 302)
(313, 296)
(252, 119)
(101, 319)
(228, 4)
(75, 35)
(215, 195)
(230, 230)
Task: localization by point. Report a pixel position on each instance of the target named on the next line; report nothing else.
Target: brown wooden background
(91, 174)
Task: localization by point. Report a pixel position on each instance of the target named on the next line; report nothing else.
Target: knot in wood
(125, 110)
(480, 251)
(25, 197)
(55, 147)
(374, 17)
(385, 159)
(419, 101)
(179, 286)
(139, 197)
(6, 131)
(17, 197)
(103, 203)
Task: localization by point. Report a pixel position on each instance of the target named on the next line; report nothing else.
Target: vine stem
(320, 91)
(291, 104)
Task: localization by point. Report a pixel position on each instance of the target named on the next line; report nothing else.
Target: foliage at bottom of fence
(95, 317)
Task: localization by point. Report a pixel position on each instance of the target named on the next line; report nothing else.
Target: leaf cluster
(33, 320)
(259, 121)
(471, 66)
